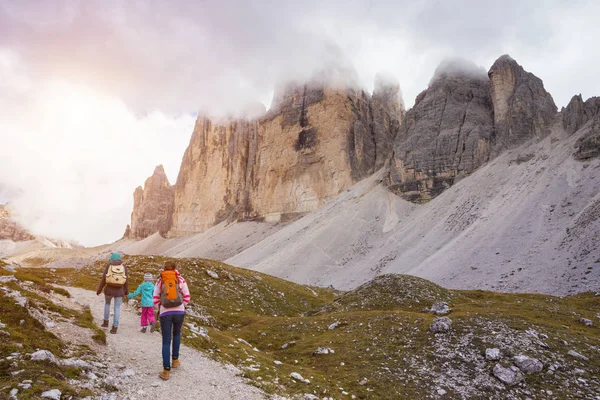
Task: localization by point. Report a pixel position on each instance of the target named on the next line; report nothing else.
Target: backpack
(170, 295)
(115, 275)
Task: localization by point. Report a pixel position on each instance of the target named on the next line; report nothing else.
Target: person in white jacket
(171, 294)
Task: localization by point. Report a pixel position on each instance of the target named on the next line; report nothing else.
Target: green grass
(383, 347)
(27, 335)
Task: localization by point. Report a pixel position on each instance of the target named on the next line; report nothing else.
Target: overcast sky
(94, 94)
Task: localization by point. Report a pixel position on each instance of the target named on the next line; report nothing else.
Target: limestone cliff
(584, 115)
(315, 141)
(578, 113)
(11, 230)
(446, 135)
(464, 118)
(522, 107)
(152, 206)
(215, 170)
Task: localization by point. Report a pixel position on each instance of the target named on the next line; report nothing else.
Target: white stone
(509, 376)
(70, 362)
(52, 394)
(575, 354)
(277, 362)
(492, 354)
(13, 393)
(212, 274)
(440, 308)
(128, 373)
(42, 355)
(442, 324)
(333, 326)
(528, 365)
(298, 377)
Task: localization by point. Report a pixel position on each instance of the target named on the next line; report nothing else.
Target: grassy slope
(24, 335)
(382, 345)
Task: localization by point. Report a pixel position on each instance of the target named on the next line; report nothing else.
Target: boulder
(527, 364)
(510, 376)
(442, 324)
(440, 308)
(492, 354)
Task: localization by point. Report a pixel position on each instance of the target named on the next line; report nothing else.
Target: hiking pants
(147, 316)
(167, 323)
(118, 301)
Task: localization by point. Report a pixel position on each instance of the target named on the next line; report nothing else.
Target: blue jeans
(118, 301)
(168, 322)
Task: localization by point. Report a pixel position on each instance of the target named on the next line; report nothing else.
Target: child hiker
(146, 289)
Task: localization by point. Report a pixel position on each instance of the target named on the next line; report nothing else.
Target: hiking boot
(164, 375)
(152, 327)
(143, 330)
(113, 329)
(175, 363)
(104, 323)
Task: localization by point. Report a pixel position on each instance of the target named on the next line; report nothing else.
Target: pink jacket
(183, 288)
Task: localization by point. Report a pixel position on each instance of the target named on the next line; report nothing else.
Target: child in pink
(146, 289)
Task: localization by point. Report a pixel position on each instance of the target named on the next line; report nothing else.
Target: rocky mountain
(19, 243)
(152, 206)
(317, 140)
(446, 135)
(10, 229)
(463, 119)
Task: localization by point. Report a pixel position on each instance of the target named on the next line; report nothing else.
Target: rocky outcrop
(316, 141)
(464, 118)
(10, 229)
(152, 206)
(387, 110)
(215, 170)
(578, 113)
(522, 107)
(588, 145)
(446, 135)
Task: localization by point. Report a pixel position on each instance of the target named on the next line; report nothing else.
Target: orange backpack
(170, 294)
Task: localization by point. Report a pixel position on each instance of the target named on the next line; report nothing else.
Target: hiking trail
(129, 350)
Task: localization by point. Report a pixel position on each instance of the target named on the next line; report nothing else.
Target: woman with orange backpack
(171, 293)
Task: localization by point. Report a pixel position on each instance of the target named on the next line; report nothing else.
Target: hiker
(115, 285)
(171, 293)
(146, 289)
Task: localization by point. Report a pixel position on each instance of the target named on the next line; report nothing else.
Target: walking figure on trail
(146, 289)
(116, 286)
(171, 293)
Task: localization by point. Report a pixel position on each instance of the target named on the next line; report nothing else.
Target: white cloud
(74, 157)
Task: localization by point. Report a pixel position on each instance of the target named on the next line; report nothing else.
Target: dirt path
(139, 355)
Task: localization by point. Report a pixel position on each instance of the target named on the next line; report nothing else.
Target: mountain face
(11, 230)
(522, 107)
(584, 115)
(152, 206)
(445, 136)
(316, 141)
(464, 118)
(319, 138)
